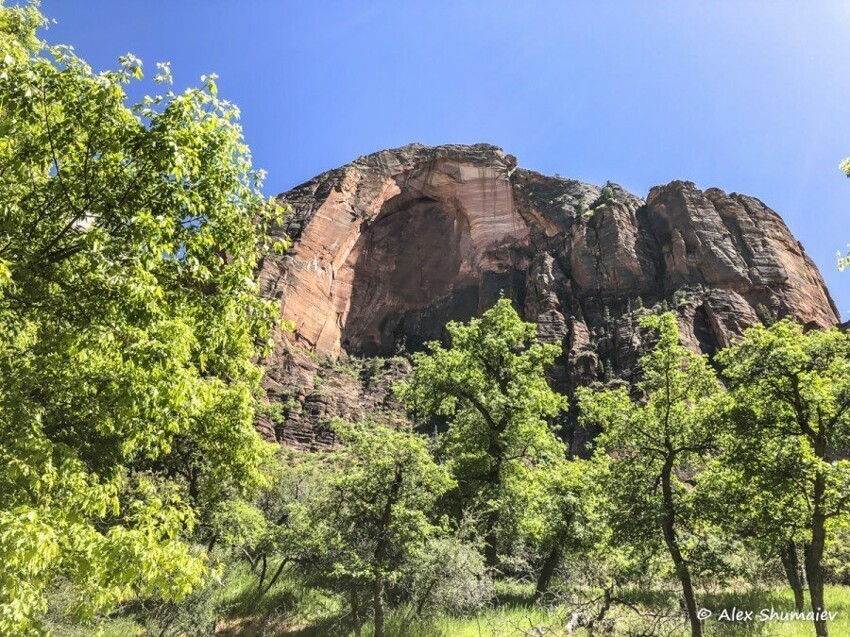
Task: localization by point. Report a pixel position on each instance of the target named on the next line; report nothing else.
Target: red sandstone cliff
(388, 248)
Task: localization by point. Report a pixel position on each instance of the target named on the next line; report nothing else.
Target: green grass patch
(292, 610)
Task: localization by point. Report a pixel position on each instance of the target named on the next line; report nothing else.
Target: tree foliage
(796, 389)
(129, 323)
(373, 516)
(651, 449)
(491, 386)
(756, 470)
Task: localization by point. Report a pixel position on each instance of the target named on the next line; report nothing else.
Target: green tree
(491, 385)
(129, 320)
(797, 389)
(373, 516)
(651, 448)
(560, 516)
(756, 470)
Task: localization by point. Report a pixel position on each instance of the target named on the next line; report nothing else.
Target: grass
(525, 621)
(290, 610)
(837, 600)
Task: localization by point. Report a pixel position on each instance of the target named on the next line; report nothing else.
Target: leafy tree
(797, 389)
(491, 385)
(651, 448)
(373, 516)
(270, 531)
(772, 522)
(129, 320)
(449, 575)
(562, 515)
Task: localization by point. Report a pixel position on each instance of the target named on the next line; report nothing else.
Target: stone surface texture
(389, 248)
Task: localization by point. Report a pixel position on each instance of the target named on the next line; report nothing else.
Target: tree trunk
(814, 556)
(379, 605)
(355, 615)
(791, 564)
(547, 572)
(381, 549)
(668, 526)
(494, 478)
(604, 607)
(276, 576)
(491, 554)
(263, 573)
(261, 591)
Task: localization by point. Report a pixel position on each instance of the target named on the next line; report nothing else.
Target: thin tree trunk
(261, 591)
(276, 575)
(251, 560)
(607, 598)
(814, 556)
(381, 550)
(491, 554)
(263, 572)
(494, 479)
(355, 615)
(668, 526)
(791, 564)
(547, 572)
(420, 605)
(379, 605)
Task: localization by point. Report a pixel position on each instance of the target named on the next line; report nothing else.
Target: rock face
(389, 248)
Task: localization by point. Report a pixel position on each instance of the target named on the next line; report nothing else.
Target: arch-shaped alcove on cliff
(415, 254)
(383, 259)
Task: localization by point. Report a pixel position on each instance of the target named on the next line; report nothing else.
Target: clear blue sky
(749, 96)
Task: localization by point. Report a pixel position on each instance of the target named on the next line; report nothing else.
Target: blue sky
(749, 96)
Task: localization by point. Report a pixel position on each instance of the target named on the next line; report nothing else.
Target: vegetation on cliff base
(653, 524)
(689, 501)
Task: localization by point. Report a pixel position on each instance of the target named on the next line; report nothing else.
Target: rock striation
(389, 248)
